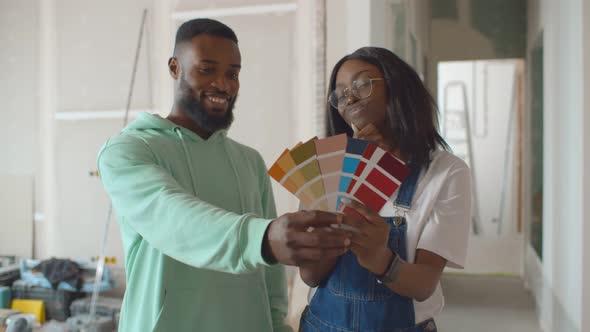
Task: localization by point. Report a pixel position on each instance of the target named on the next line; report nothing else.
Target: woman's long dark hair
(411, 111)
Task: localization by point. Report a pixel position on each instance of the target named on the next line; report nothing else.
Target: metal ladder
(457, 132)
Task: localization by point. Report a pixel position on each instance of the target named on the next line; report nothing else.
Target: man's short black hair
(199, 26)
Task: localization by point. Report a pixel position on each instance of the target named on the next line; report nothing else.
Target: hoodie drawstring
(231, 161)
(238, 182)
(188, 159)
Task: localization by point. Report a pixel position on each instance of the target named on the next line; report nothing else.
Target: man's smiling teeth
(217, 100)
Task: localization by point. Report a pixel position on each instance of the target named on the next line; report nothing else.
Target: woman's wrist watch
(392, 272)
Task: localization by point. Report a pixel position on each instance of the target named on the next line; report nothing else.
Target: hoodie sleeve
(276, 280)
(150, 201)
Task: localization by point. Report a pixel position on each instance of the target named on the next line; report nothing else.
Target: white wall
(305, 102)
(336, 22)
(19, 138)
(96, 48)
(24, 85)
(586, 181)
(18, 87)
(16, 215)
(560, 292)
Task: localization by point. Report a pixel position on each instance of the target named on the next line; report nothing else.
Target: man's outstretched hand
(288, 241)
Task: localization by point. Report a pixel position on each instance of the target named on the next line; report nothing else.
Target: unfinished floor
(486, 304)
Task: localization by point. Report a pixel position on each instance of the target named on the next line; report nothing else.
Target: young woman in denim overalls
(375, 285)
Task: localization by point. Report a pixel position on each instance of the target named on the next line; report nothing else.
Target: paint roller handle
(288, 241)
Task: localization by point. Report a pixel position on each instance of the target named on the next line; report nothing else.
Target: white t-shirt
(439, 220)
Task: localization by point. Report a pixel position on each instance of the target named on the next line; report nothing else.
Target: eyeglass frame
(345, 93)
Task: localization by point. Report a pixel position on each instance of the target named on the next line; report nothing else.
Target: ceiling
(188, 5)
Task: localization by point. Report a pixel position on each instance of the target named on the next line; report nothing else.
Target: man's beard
(196, 110)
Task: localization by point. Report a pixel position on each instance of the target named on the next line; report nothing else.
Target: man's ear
(174, 68)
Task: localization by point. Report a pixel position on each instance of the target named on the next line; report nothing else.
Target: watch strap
(392, 272)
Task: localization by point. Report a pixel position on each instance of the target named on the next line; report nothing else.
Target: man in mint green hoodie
(196, 209)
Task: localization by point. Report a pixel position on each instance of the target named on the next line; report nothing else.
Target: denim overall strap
(408, 188)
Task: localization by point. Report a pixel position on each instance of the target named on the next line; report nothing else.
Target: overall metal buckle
(400, 214)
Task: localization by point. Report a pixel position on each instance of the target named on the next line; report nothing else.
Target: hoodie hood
(148, 121)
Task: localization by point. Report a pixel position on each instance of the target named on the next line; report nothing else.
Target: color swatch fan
(322, 171)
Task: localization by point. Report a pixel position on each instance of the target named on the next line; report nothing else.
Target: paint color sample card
(277, 173)
(377, 178)
(330, 154)
(321, 171)
(307, 165)
(285, 173)
(352, 161)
